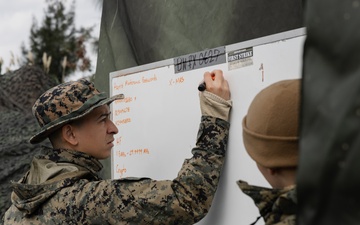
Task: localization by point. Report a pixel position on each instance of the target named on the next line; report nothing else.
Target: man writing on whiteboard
(62, 185)
(270, 135)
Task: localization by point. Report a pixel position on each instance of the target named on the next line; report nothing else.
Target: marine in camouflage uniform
(62, 186)
(276, 206)
(270, 135)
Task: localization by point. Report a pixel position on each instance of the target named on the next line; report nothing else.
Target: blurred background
(42, 43)
(25, 26)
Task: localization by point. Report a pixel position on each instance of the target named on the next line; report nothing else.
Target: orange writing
(120, 154)
(178, 80)
(262, 72)
(118, 86)
(125, 100)
(118, 140)
(139, 151)
(132, 82)
(132, 152)
(120, 170)
(123, 110)
(147, 80)
(122, 121)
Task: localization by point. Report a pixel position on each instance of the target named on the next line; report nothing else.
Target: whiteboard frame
(228, 48)
(251, 43)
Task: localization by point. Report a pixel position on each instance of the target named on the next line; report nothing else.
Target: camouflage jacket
(74, 194)
(276, 206)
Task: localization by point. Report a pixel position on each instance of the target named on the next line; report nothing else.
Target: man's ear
(68, 134)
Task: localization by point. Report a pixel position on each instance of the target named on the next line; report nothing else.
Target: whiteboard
(159, 117)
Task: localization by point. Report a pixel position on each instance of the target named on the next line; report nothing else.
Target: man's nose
(112, 128)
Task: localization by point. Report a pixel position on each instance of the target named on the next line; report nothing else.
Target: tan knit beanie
(270, 129)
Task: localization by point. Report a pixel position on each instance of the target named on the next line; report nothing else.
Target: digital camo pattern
(82, 198)
(19, 89)
(62, 100)
(276, 206)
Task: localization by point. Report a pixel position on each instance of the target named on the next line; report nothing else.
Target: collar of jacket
(28, 197)
(72, 156)
(273, 204)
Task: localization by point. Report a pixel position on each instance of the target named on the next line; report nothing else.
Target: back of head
(270, 128)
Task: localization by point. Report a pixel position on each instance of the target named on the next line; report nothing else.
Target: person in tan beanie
(271, 138)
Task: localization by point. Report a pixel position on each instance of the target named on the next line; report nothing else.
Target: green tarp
(136, 32)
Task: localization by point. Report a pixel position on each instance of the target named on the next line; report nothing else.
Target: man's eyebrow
(104, 115)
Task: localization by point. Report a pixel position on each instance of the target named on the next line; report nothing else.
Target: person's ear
(68, 134)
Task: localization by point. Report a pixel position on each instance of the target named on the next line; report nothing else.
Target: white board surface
(159, 118)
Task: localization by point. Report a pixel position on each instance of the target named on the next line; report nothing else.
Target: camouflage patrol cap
(64, 103)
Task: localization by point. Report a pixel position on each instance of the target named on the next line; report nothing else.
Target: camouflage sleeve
(184, 200)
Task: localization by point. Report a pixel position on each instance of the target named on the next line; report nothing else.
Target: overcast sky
(16, 18)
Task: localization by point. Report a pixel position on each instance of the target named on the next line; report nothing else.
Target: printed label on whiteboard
(209, 57)
(240, 58)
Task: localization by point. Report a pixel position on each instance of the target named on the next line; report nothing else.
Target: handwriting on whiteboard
(131, 82)
(125, 111)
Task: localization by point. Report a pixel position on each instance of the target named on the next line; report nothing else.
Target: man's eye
(105, 117)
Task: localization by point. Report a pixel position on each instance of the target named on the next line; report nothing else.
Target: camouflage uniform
(276, 206)
(74, 194)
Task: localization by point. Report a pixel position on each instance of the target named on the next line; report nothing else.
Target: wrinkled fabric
(137, 32)
(213, 105)
(81, 197)
(276, 206)
(328, 176)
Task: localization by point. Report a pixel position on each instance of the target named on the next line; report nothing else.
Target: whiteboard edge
(250, 43)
